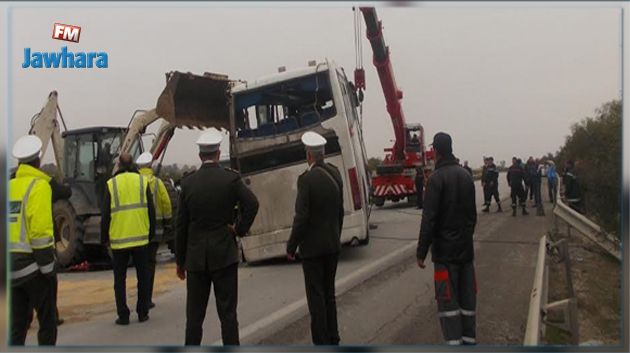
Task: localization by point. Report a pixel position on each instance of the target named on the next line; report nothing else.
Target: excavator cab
(90, 154)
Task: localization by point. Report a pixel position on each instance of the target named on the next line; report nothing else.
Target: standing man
(316, 231)
(530, 178)
(515, 177)
(31, 245)
(491, 186)
(448, 224)
(163, 214)
(206, 246)
(572, 190)
(419, 181)
(60, 191)
(483, 175)
(127, 225)
(552, 181)
(468, 168)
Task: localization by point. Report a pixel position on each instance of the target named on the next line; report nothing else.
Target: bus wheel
(379, 201)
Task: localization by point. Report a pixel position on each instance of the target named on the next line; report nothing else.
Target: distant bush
(595, 146)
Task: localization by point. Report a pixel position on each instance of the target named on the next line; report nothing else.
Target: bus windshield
(284, 107)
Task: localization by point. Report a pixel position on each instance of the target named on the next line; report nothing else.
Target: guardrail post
(538, 298)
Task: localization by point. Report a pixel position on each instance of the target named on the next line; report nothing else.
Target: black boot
(525, 213)
(486, 209)
(499, 209)
(513, 211)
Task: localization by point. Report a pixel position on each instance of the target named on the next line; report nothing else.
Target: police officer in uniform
(206, 246)
(515, 179)
(316, 232)
(31, 245)
(127, 225)
(448, 223)
(491, 186)
(163, 214)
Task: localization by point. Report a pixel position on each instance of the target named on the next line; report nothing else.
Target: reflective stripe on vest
(22, 244)
(129, 226)
(158, 209)
(117, 207)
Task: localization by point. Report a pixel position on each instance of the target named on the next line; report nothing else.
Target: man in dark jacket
(530, 176)
(117, 234)
(468, 168)
(572, 190)
(316, 231)
(206, 246)
(448, 223)
(491, 186)
(515, 177)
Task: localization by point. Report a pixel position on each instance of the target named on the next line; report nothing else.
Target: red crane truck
(395, 177)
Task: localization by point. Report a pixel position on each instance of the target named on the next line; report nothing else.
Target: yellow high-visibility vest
(30, 217)
(161, 200)
(129, 225)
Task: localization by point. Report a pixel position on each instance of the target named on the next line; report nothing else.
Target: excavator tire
(68, 234)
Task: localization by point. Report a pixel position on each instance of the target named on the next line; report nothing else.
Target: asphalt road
(271, 294)
(397, 306)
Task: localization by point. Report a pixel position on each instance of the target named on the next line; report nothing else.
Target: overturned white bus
(266, 119)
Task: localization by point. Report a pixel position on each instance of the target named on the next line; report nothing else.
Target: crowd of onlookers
(525, 180)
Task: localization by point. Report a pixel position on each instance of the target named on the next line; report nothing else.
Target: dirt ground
(80, 300)
(597, 283)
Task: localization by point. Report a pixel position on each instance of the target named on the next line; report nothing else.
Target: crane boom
(393, 95)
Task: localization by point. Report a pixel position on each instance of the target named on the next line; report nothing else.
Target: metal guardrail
(539, 308)
(576, 220)
(538, 297)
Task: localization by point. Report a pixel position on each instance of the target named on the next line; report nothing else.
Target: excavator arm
(45, 125)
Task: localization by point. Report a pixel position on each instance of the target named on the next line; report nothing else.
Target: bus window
(285, 106)
(284, 155)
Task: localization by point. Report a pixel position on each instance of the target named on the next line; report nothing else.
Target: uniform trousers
(198, 285)
(152, 263)
(489, 192)
(518, 193)
(319, 280)
(140, 256)
(38, 293)
(456, 295)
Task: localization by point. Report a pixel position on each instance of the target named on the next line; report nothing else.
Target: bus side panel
(276, 191)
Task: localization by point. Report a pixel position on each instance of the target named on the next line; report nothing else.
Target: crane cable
(358, 50)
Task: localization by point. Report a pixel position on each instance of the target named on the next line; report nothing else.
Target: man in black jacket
(206, 247)
(316, 231)
(515, 178)
(129, 247)
(468, 168)
(448, 223)
(572, 188)
(491, 186)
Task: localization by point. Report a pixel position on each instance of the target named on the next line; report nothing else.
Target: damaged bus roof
(280, 77)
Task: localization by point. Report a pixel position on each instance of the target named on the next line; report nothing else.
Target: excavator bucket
(195, 101)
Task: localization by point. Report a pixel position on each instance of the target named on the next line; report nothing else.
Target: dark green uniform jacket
(206, 207)
(318, 212)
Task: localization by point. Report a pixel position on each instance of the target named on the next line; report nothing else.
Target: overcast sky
(502, 81)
